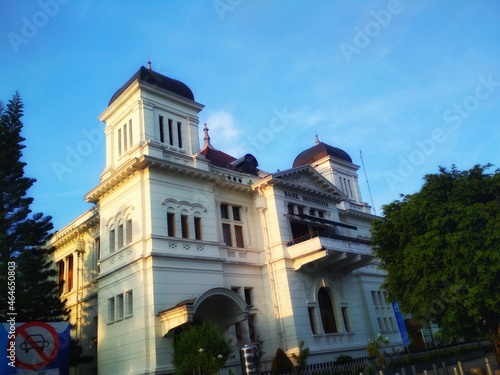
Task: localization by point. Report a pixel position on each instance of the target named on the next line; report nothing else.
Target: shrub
(281, 362)
(343, 358)
(201, 349)
(302, 356)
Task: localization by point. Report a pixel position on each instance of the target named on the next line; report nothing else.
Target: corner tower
(153, 115)
(336, 166)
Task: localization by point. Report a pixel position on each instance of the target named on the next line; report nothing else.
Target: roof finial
(149, 63)
(206, 137)
(317, 139)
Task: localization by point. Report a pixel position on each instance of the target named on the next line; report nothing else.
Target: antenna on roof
(367, 183)
(149, 63)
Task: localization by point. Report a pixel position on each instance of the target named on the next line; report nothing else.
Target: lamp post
(80, 250)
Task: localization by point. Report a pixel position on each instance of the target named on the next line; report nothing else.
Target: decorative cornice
(75, 229)
(306, 179)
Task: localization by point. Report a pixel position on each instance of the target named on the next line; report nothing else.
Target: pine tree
(23, 235)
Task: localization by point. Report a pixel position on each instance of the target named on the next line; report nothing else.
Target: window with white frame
(197, 226)
(232, 225)
(119, 307)
(124, 137)
(112, 238)
(128, 231)
(327, 311)
(111, 310)
(384, 312)
(129, 303)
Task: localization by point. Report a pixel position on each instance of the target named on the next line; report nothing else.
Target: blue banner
(401, 323)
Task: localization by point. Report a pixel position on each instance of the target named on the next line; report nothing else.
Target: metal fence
(372, 364)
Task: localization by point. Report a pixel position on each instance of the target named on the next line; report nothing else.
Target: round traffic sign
(37, 344)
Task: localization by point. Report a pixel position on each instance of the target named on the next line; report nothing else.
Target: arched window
(326, 311)
(197, 226)
(171, 222)
(184, 224)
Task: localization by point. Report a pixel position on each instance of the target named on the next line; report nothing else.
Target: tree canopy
(441, 249)
(23, 235)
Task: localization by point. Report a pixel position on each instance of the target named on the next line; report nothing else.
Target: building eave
(72, 231)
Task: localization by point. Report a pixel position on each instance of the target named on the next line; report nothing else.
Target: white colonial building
(180, 231)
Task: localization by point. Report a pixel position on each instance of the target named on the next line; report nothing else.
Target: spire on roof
(149, 63)
(317, 139)
(206, 139)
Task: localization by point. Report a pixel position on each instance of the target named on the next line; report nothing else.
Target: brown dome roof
(319, 151)
(147, 75)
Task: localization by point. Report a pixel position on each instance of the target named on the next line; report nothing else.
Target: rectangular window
(381, 324)
(381, 297)
(345, 316)
(70, 273)
(197, 228)
(179, 134)
(111, 241)
(111, 310)
(131, 139)
(350, 190)
(226, 234)
(119, 307)
(119, 142)
(125, 146)
(312, 320)
(236, 213)
(129, 301)
(162, 135)
(170, 133)
(128, 232)
(60, 270)
(185, 226)
(248, 296)
(238, 234)
(224, 212)
(171, 224)
(393, 325)
(120, 236)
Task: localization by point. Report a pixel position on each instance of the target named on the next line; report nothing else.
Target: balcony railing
(325, 234)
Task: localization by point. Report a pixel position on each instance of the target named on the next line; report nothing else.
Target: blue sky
(412, 84)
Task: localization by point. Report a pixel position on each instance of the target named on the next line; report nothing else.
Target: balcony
(339, 253)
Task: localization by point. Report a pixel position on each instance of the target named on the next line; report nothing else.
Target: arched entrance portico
(220, 306)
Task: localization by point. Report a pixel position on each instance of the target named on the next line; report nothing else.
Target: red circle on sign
(45, 359)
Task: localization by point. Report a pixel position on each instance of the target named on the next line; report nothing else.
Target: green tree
(22, 235)
(201, 349)
(441, 250)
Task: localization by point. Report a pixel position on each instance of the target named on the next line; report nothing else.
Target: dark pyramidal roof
(319, 151)
(147, 75)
